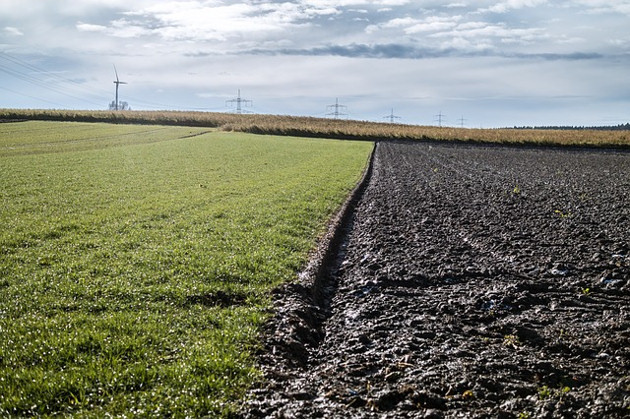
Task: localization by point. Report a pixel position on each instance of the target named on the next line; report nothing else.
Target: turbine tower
(117, 82)
(239, 102)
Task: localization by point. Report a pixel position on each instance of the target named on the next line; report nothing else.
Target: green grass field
(136, 261)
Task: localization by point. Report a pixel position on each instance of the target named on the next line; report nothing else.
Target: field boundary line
(300, 306)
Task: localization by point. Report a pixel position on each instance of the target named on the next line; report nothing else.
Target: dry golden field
(331, 128)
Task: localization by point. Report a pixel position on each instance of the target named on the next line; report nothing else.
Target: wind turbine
(117, 82)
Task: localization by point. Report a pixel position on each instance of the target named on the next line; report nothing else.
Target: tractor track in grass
(463, 281)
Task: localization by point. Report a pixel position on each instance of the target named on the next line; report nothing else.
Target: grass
(37, 138)
(136, 263)
(333, 128)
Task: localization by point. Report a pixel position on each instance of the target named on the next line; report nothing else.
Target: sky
(477, 64)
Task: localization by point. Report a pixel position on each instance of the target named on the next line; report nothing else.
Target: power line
(439, 118)
(239, 102)
(52, 82)
(336, 108)
(34, 68)
(391, 117)
(40, 83)
(461, 121)
(32, 97)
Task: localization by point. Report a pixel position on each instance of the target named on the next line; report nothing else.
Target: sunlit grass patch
(37, 137)
(134, 277)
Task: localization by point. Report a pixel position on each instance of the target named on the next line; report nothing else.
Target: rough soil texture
(474, 281)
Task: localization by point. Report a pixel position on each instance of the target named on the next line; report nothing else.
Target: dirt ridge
(302, 306)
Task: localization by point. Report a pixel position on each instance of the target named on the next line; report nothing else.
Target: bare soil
(473, 281)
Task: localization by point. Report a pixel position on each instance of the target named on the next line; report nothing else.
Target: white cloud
(605, 6)
(458, 33)
(472, 25)
(345, 3)
(484, 33)
(304, 51)
(620, 43)
(118, 28)
(507, 5)
(433, 24)
(210, 20)
(391, 2)
(393, 24)
(88, 27)
(11, 31)
(411, 25)
(220, 22)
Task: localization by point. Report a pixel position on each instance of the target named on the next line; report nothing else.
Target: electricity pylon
(239, 102)
(391, 117)
(117, 82)
(440, 118)
(336, 108)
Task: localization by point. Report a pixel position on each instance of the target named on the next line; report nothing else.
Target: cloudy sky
(477, 63)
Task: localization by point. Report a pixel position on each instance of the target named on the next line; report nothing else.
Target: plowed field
(474, 282)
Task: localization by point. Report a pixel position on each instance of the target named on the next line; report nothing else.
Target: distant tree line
(620, 127)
